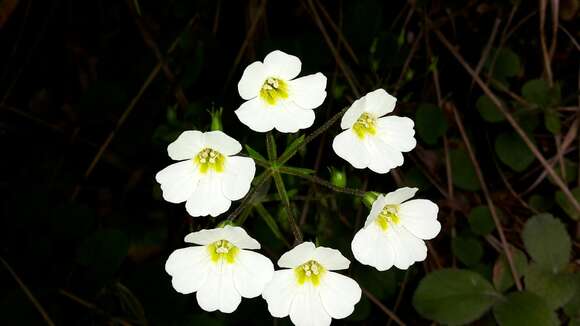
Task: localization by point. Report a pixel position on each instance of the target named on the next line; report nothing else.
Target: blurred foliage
(91, 243)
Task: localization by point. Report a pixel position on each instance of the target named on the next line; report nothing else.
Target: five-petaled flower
(394, 231)
(371, 140)
(220, 269)
(274, 99)
(208, 177)
(308, 290)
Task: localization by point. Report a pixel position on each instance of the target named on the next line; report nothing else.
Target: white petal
(222, 143)
(219, 292)
(252, 80)
(288, 117)
(308, 91)
(280, 291)
(352, 114)
(339, 294)
(379, 102)
(398, 132)
(178, 181)
(252, 272)
(383, 157)
(281, 65)
(297, 256)
(239, 237)
(189, 268)
(349, 147)
(256, 115)
(208, 198)
(307, 308)
(238, 175)
(205, 236)
(330, 258)
(186, 146)
(371, 247)
(407, 248)
(419, 216)
(400, 195)
(376, 208)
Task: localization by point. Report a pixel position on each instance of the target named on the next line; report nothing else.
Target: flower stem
(322, 182)
(286, 201)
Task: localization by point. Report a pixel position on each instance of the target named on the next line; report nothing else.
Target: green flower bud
(369, 198)
(338, 177)
(216, 119)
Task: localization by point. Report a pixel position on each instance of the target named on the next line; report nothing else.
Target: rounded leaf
(524, 308)
(547, 242)
(451, 296)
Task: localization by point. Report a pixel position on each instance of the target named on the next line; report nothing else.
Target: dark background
(88, 234)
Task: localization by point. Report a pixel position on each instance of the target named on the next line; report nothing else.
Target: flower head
(371, 140)
(220, 269)
(275, 98)
(394, 231)
(208, 176)
(308, 290)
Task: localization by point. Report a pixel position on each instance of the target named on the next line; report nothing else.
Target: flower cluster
(222, 267)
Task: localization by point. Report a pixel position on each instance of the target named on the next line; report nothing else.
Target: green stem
(271, 147)
(286, 201)
(286, 156)
(322, 182)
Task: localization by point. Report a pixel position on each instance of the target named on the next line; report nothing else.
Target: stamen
(366, 124)
(273, 90)
(208, 159)
(311, 271)
(388, 215)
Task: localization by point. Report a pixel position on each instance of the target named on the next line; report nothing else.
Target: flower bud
(216, 119)
(369, 198)
(338, 177)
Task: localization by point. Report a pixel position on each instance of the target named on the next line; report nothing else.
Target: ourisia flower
(208, 176)
(308, 290)
(220, 269)
(371, 140)
(394, 231)
(275, 99)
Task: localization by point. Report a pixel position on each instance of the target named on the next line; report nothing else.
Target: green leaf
(502, 274)
(488, 110)
(538, 92)
(568, 175)
(524, 308)
(467, 249)
(254, 154)
(481, 221)
(556, 289)
(565, 204)
(552, 121)
(462, 170)
(507, 64)
(540, 203)
(572, 308)
(430, 123)
(270, 221)
(451, 296)
(513, 152)
(547, 242)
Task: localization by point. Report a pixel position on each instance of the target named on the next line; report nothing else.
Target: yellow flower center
(208, 159)
(274, 89)
(311, 271)
(365, 124)
(389, 214)
(223, 250)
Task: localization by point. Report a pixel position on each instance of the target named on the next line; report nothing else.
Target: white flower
(220, 270)
(207, 177)
(308, 290)
(274, 99)
(394, 231)
(371, 140)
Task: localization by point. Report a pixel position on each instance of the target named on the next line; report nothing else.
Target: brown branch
(28, 293)
(381, 306)
(483, 184)
(512, 121)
